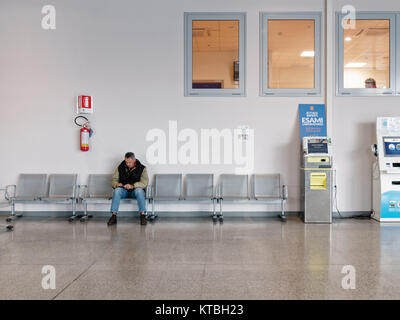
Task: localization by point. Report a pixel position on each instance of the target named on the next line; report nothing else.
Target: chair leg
(88, 214)
(282, 215)
(73, 217)
(8, 227)
(214, 216)
(85, 213)
(153, 214)
(221, 216)
(13, 214)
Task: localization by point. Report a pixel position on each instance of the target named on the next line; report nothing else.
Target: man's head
(370, 83)
(130, 159)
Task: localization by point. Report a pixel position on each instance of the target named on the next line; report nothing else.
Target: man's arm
(144, 180)
(115, 179)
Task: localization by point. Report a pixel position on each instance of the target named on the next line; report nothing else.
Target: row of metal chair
(63, 188)
(32, 188)
(266, 188)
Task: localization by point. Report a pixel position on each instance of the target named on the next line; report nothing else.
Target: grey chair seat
(266, 186)
(198, 198)
(166, 198)
(29, 188)
(24, 198)
(57, 198)
(267, 198)
(234, 198)
(97, 199)
(167, 187)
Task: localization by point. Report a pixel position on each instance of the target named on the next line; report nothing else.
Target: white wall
(354, 130)
(129, 56)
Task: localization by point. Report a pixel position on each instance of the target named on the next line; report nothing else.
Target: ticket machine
(386, 170)
(316, 180)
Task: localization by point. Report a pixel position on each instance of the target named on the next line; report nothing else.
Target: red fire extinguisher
(84, 138)
(84, 133)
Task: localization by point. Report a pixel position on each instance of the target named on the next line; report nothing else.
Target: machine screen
(317, 146)
(391, 146)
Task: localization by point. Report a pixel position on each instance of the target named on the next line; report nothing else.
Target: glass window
(290, 54)
(214, 54)
(215, 50)
(366, 56)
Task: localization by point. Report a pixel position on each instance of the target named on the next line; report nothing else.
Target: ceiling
(370, 43)
(287, 39)
(215, 35)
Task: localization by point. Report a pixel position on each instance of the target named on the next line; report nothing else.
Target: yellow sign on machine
(318, 159)
(318, 181)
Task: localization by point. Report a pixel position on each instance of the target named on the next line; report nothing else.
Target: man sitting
(130, 180)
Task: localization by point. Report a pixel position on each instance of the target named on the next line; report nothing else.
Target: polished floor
(192, 258)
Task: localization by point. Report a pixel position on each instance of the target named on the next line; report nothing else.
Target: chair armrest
(149, 193)
(285, 193)
(7, 194)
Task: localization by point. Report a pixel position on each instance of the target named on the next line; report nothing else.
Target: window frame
(188, 18)
(398, 53)
(318, 55)
(360, 92)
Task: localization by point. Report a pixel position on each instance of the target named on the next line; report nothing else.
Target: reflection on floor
(192, 258)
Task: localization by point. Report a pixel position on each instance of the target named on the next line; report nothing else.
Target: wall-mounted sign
(312, 120)
(84, 104)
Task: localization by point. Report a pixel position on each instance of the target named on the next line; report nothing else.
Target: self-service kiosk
(316, 180)
(386, 170)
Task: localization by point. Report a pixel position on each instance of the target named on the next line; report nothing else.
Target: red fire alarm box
(84, 104)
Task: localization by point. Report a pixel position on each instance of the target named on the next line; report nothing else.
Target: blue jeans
(121, 193)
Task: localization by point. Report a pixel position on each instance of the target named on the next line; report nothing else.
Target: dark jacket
(137, 176)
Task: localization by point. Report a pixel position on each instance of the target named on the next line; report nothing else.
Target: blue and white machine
(386, 170)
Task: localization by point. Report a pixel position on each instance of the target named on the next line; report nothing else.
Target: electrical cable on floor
(335, 196)
(337, 209)
(335, 202)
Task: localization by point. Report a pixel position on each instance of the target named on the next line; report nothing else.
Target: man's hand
(129, 187)
(120, 185)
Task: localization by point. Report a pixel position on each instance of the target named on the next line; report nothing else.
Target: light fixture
(348, 39)
(307, 54)
(355, 65)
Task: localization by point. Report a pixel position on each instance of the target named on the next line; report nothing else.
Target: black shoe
(113, 220)
(143, 220)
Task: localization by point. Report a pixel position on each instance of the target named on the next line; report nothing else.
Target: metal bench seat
(29, 188)
(99, 191)
(231, 187)
(199, 187)
(266, 189)
(166, 187)
(63, 188)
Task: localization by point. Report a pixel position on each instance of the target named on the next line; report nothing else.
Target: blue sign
(390, 204)
(312, 120)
